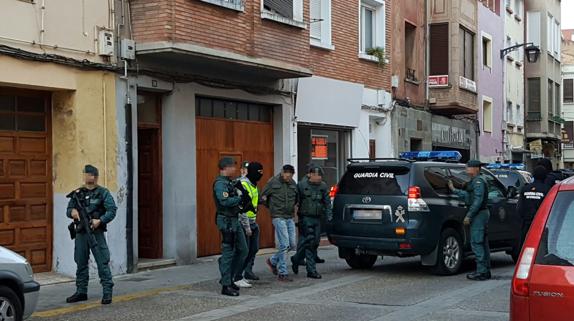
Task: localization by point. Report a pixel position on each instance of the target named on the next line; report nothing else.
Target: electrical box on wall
(395, 81)
(128, 51)
(105, 42)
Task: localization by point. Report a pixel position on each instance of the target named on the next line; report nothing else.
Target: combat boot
(77, 297)
(478, 276)
(294, 266)
(251, 276)
(319, 260)
(229, 291)
(314, 275)
(107, 299)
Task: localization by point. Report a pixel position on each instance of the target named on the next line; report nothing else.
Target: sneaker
(284, 278)
(314, 275)
(251, 276)
(294, 265)
(77, 297)
(243, 283)
(229, 291)
(272, 267)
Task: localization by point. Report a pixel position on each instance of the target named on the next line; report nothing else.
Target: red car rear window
(557, 242)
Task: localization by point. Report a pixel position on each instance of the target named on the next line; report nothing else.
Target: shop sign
(438, 81)
(467, 84)
(446, 135)
(535, 148)
(319, 147)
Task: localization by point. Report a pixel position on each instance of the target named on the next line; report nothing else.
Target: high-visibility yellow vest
(254, 194)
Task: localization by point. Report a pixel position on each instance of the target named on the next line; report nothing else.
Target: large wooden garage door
(243, 131)
(25, 176)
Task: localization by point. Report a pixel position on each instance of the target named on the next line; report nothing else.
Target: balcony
(448, 99)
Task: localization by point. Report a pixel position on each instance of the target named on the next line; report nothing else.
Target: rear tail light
(520, 283)
(415, 202)
(333, 192)
(405, 246)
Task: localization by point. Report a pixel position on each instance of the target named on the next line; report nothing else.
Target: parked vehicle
(18, 290)
(403, 207)
(512, 178)
(543, 282)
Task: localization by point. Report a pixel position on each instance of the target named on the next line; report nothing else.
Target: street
(395, 289)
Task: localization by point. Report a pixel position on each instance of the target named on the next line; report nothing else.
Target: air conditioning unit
(105, 42)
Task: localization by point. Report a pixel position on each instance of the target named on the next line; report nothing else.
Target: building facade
(568, 98)
(514, 104)
(60, 98)
(490, 85)
(543, 81)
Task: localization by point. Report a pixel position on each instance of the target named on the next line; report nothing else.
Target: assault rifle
(84, 223)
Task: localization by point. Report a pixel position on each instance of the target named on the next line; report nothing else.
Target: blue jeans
(285, 238)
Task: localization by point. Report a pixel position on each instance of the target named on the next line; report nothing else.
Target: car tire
(449, 253)
(13, 307)
(361, 262)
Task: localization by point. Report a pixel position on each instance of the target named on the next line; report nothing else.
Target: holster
(228, 236)
(72, 230)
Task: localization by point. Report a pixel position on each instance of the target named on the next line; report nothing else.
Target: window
(437, 178)
(568, 90)
(550, 98)
(410, 51)
(557, 99)
(495, 189)
(509, 117)
(486, 52)
(518, 116)
(508, 3)
(439, 51)
(533, 91)
(556, 245)
(466, 54)
(232, 110)
(550, 39)
(230, 4)
(486, 115)
(518, 7)
(533, 28)
(372, 26)
(459, 177)
(366, 181)
(320, 24)
(557, 39)
(285, 11)
(22, 113)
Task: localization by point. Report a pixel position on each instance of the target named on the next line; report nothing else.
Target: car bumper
(384, 246)
(31, 294)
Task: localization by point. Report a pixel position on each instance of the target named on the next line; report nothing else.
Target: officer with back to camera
(531, 196)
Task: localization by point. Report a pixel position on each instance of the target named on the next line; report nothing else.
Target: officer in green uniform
(228, 201)
(314, 204)
(476, 197)
(100, 207)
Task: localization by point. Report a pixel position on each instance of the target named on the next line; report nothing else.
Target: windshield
(508, 178)
(380, 180)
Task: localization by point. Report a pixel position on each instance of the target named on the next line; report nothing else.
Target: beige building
(58, 111)
(543, 81)
(568, 98)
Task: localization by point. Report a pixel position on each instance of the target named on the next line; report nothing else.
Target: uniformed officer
(552, 176)
(314, 204)
(99, 206)
(228, 203)
(531, 196)
(476, 197)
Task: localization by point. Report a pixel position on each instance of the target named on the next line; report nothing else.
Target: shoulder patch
(225, 194)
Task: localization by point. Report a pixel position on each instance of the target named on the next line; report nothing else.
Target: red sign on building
(319, 147)
(438, 80)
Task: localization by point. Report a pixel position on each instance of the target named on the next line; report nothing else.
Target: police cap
(226, 162)
(473, 163)
(92, 170)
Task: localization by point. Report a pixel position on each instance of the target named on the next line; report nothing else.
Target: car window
(380, 180)
(459, 177)
(495, 190)
(508, 178)
(557, 243)
(437, 178)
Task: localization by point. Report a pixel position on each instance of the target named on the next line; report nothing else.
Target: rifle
(84, 224)
(246, 204)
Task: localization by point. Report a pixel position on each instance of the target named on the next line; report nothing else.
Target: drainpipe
(130, 189)
(427, 50)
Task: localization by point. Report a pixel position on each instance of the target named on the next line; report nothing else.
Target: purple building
(490, 82)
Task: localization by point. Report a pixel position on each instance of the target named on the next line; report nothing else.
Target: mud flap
(430, 259)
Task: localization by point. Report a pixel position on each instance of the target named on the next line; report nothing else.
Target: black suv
(404, 208)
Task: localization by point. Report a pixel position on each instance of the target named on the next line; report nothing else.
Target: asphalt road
(395, 289)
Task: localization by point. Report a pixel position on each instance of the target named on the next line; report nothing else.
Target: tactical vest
(254, 194)
(312, 200)
(484, 204)
(223, 210)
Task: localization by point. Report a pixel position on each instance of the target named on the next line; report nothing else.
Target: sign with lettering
(445, 135)
(319, 147)
(438, 81)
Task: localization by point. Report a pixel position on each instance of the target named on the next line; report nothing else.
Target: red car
(543, 282)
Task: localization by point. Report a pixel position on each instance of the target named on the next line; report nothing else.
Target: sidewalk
(146, 283)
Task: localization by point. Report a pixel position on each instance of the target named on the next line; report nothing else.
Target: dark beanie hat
(539, 173)
(92, 170)
(289, 168)
(546, 163)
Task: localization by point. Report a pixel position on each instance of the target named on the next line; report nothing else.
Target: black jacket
(531, 196)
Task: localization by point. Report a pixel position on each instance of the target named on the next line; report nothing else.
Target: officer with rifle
(91, 208)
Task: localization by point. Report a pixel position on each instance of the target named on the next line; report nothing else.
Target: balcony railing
(411, 74)
(533, 116)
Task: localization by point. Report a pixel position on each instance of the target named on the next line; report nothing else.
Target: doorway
(150, 214)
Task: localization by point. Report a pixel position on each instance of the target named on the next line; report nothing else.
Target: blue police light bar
(426, 155)
(517, 166)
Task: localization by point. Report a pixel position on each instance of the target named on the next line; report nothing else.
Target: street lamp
(532, 51)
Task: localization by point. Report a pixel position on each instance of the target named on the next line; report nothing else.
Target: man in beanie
(314, 204)
(99, 206)
(530, 198)
(253, 174)
(228, 203)
(281, 197)
(552, 177)
(476, 197)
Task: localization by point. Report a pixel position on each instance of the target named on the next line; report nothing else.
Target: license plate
(367, 214)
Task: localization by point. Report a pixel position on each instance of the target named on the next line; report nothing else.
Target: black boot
(107, 299)
(234, 287)
(229, 291)
(314, 275)
(294, 266)
(251, 276)
(319, 260)
(477, 276)
(77, 297)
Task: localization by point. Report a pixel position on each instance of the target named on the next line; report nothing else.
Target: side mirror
(512, 192)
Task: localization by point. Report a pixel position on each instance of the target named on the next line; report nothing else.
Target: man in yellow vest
(249, 181)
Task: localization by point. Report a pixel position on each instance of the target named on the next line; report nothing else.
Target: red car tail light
(522, 276)
(333, 192)
(415, 202)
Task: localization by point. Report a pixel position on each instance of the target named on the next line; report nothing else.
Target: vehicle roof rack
(359, 160)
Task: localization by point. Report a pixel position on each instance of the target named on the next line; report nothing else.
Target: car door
(445, 205)
(459, 179)
(498, 225)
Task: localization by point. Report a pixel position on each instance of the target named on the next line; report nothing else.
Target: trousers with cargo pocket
(479, 240)
(102, 257)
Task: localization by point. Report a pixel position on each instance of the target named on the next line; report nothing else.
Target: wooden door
(243, 140)
(150, 222)
(26, 176)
